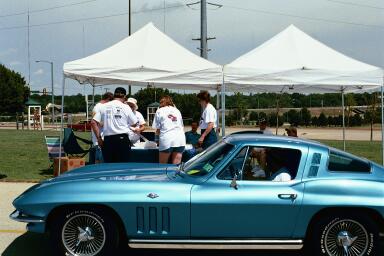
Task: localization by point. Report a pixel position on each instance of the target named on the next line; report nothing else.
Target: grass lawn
(23, 154)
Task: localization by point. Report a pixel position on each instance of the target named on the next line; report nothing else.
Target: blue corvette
(248, 191)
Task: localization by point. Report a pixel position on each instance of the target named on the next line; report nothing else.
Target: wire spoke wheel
(83, 235)
(346, 238)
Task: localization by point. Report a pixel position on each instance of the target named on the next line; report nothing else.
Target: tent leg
(342, 103)
(218, 109)
(382, 122)
(223, 109)
(93, 95)
(62, 122)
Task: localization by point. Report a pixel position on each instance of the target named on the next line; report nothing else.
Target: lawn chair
(53, 146)
(72, 146)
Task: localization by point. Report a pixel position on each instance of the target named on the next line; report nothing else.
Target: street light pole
(52, 92)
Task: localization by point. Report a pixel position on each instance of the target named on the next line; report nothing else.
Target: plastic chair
(53, 146)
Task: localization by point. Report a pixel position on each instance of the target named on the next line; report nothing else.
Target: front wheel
(84, 232)
(345, 235)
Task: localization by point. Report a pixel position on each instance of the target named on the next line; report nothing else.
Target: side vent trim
(152, 220)
(165, 227)
(140, 220)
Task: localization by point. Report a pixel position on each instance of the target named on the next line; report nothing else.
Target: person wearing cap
(117, 118)
(208, 120)
(96, 155)
(263, 127)
(169, 126)
(134, 135)
(291, 131)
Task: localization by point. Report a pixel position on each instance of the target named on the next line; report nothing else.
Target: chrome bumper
(18, 216)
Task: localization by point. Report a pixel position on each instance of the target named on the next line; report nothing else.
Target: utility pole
(52, 88)
(29, 54)
(204, 27)
(129, 34)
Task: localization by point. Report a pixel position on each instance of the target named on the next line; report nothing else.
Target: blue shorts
(173, 150)
(99, 155)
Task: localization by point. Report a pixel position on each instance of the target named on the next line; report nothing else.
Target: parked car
(81, 126)
(248, 191)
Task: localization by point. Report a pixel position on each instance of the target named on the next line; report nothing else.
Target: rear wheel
(345, 235)
(85, 232)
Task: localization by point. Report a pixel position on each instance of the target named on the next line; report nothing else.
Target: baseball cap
(120, 92)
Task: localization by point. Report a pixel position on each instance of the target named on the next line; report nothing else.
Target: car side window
(342, 162)
(235, 167)
(263, 164)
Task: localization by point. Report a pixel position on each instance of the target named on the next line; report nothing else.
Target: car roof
(249, 136)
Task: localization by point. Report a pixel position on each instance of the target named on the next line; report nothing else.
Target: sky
(63, 33)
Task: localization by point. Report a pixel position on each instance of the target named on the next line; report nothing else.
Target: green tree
(13, 90)
(349, 103)
(322, 121)
(253, 116)
(305, 116)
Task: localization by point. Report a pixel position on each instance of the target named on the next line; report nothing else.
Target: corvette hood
(120, 171)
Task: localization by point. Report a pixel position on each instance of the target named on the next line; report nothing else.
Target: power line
(304, 17)
(356, 4)
(90, 18)
(47, 9)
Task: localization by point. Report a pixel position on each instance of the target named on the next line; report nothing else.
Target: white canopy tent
(292, 61)
(147, 57)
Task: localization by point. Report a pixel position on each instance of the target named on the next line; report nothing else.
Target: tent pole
(93, 95)
(342, 103)
(218, 108)
(62, 121)
(382, 122)
(223, 108)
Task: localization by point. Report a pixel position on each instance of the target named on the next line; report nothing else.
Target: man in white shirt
(95, 155)
(134, 135)
(263, 127)
(117, 119)
(208, 120)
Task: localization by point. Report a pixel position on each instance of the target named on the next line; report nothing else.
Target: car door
(252, 209)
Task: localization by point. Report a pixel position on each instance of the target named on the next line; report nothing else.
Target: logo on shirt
(172, 117)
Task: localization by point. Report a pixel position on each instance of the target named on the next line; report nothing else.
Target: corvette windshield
(204, 162)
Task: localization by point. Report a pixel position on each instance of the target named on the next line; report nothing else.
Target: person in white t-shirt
(208, 120)
(134, 136)
(96, 155)
(263, 126)
(117, 119)
(170, 129)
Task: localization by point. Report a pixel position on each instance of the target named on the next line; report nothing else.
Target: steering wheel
(234, 171)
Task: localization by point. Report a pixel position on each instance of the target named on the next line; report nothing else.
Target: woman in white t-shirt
(170, 129)
(134, 133)
(208, 120)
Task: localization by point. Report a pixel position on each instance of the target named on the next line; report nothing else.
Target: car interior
(262, 163)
